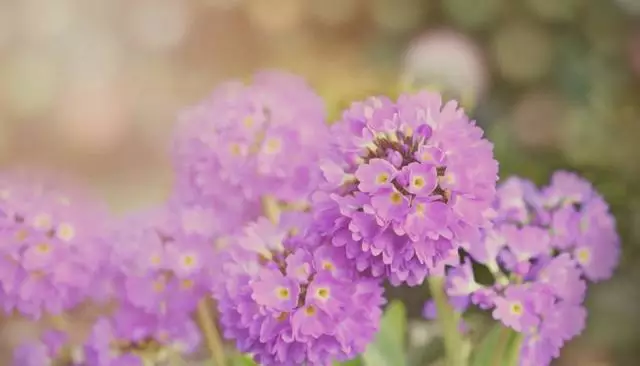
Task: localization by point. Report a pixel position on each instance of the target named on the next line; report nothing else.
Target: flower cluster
(288, 299)
(407, 181)
(50, 255)
(544, 245)
(136, 338)
(161, 259)
(248, 141)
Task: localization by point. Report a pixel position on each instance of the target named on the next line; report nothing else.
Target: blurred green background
(94, 86)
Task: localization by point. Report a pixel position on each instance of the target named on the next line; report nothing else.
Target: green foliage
(499, 347)
(242, 360)
(389, 345)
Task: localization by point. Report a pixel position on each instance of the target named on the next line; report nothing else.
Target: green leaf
(389, 345)
(242, 360)
(499, 347)
(354, 362)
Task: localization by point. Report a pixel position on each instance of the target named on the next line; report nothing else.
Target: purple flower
(247, 141)
(543, 246)
(158, 263)
(133, 337)
(516, 308)
(33, 354)
(52, 257)
(294, 302)
(406, 182)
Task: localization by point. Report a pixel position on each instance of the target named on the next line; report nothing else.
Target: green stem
(449, 320)
(211, 335)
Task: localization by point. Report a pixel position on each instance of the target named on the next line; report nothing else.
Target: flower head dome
(407, 181)
(249, 140)
(50, 257)
(133, 337)
(291, 300)
(161, 260)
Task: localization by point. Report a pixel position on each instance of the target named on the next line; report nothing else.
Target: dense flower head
(50, 255)
(567, 215)
(406, 182)
(161, 259)
(288, 299)
(249, 140)
(534, 253)
(132, 337)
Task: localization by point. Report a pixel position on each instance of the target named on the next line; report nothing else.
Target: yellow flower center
(156, 259)
(22, 234)
(516, 308)
(235, 149)
(310, 310)
(66, 232)
(158, 286)
(418, 182)
(583, 255)
(273, 145)
(43, 248)
(187, 284)
(42, 221)
(396, 198)
(323, 293)
(426, 156)
(382, 178)
(188, 261)
(248, 121)
(283, 293)
(421, 208)
(328, 266)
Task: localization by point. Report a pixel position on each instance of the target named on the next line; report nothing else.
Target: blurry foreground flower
(407, 181)
(289, 299)
(51, 258)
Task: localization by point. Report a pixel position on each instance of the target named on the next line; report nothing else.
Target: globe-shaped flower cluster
(50, 257)
(161, 259)
(544, 244)
(288, 299)
(407, 181)
(250, 140)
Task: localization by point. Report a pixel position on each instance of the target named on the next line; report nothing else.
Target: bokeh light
(262, 14)
(446, 60)
(522, 51)
(538, 119)
(399, 15)
(29, 83)
(634, 52)
(333, 12)
(553, 10)
(483, 14)
(159, 25)
(46, 21)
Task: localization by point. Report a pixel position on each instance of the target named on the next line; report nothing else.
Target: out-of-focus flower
(51, 258)
(133, 337)
(407, 181)
(161, 260)
(247, 141)
(290, 299)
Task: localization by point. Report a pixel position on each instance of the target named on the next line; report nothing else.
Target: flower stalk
(213, 339)
(449, 320)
